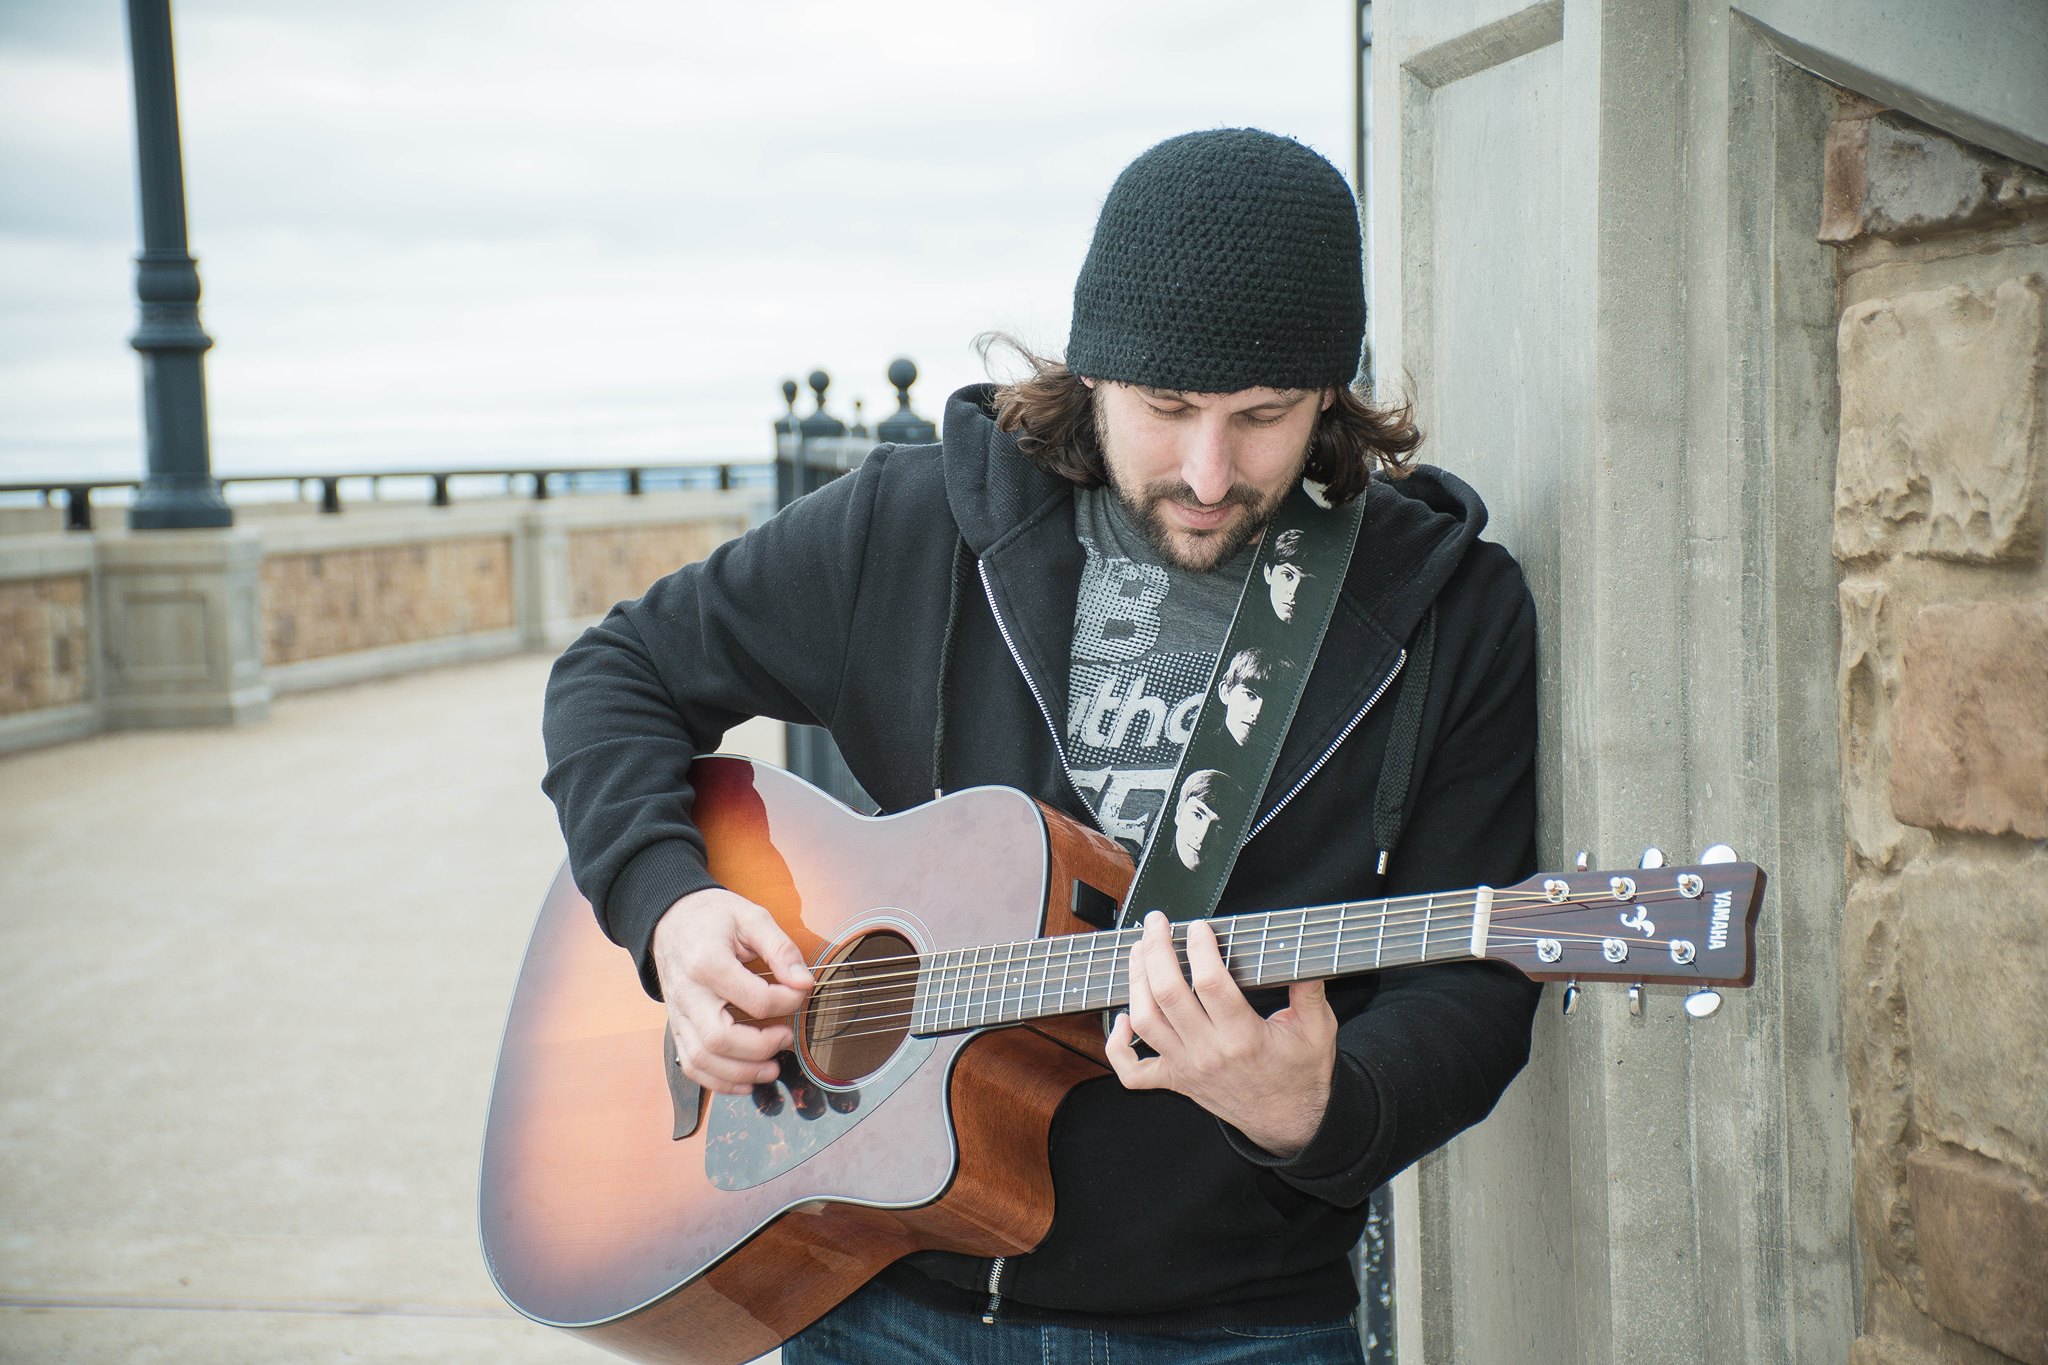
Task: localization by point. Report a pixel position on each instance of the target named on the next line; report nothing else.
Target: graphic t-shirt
(1145, 641)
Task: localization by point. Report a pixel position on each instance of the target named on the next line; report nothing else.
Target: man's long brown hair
(1053, 414)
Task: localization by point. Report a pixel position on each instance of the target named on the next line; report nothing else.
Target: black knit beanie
(1223, 260)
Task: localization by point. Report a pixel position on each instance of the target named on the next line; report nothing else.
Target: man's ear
(1086, 380)
(1329, 398)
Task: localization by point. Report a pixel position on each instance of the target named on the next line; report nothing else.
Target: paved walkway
(253, 982)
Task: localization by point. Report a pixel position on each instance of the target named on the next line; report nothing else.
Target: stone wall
(340, 601)
(609, 564)
(1941, 513)
(107, 629)
(45, 643)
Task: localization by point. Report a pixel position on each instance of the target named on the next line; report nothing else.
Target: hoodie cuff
(659, 876)
(1349, 1127)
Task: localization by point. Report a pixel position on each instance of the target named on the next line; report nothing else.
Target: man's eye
(1272, 421)
(1166, 412)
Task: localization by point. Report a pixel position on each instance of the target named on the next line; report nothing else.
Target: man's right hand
(702, 945)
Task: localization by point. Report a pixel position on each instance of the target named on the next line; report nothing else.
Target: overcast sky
(452, 231)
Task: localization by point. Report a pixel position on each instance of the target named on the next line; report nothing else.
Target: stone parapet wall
(1941, 515)
(330, 602)
(109, 628)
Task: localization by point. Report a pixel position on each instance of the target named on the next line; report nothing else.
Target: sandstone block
(1888, 176)
(1984, 1249)
(1877, 1350)
(1970, 729)
(1944, 427)
(45, 644)
(1879, 1073)
(1869, 681)
(1974, 963)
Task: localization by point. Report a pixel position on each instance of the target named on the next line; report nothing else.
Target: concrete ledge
(51, 556)
(335, 670)
(50, 725)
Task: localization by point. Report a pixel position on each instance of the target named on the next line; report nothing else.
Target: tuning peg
(1583, 861)
(1719, 853)
(1571, 996)
(1635, 1000)
(1703, 1002)
(1652, 857)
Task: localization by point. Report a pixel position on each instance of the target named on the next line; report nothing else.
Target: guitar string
(866, 990)
(1314, 939)
(902, 1023)
(986, 979)
(1317, 922)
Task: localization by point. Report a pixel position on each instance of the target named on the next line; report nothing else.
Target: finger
(1147, 1020)
(727, 1075)
(759, 931)
(746, 1042)
(711, 1027)
(1309, 1003)
(724, 976)
(1220, 996)
(1121, 1049)
(1175, 999)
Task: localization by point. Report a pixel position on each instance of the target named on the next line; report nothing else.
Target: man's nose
(1208, 464)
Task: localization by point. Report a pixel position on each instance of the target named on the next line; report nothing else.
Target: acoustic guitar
(959, 994)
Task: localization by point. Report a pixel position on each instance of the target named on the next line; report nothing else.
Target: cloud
(604, 231)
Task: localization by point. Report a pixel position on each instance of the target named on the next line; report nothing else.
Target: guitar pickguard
(753, 1138)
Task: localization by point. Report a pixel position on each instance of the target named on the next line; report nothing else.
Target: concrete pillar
(547, 617)
(180, 639)
(1595, 224)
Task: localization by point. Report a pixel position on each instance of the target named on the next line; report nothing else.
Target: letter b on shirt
(1118, 619)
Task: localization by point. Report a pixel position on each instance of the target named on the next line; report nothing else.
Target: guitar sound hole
(860, 1012)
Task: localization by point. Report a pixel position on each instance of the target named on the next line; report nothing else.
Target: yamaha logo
(1717, 929)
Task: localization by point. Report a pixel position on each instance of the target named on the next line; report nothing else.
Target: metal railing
(534, 481)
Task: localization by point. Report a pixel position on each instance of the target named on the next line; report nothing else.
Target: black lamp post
(178, 489)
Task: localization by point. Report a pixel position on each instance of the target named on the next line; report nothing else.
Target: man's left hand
(1267, 1077)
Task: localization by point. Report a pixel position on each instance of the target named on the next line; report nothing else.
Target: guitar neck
(1011, 983)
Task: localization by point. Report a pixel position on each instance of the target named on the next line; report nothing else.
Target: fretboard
(1009, 983)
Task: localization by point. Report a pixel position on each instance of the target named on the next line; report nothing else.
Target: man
(1040, 601)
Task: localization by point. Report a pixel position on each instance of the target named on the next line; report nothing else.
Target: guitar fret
(1003, 983)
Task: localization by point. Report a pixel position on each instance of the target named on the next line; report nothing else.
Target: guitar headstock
(1688, 926)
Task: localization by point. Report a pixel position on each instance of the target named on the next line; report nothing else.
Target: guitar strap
(1282, 615)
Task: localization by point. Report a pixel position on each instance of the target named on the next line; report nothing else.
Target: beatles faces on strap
(1283, 575)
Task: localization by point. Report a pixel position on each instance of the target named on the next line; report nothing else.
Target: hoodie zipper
(995, 1289)
(1003, 628)
(1335, 744)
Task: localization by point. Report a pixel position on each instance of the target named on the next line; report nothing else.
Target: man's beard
(1141, 509)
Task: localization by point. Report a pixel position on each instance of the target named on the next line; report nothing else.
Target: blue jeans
(878, 1326)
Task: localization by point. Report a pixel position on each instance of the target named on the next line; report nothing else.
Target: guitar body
(717, 1246)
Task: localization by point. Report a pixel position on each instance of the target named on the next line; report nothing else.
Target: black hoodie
(858, 609)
